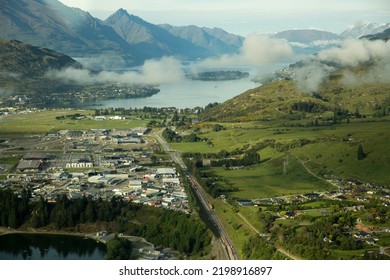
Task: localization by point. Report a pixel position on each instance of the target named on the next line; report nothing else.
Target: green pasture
(45, 121)
(384, 239)
(334, 154)
(350, 254)
(267, 179)
(250, 213)
(195, 147)
(339, 157)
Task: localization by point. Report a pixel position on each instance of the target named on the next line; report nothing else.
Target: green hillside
(24, 67)
(283, 99)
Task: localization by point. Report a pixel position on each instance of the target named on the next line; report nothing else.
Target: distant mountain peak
(126, 38)
(364, 28)
(306, 35)
(120, 13)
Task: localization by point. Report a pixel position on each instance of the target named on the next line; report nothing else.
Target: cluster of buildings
(99, 163)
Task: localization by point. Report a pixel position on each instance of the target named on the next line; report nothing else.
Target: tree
(217, 127)
(119, 249)
(360, 153)
(250, 158)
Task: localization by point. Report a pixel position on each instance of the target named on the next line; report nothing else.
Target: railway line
(231, 251)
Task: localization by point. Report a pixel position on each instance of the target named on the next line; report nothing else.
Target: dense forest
(179, 231)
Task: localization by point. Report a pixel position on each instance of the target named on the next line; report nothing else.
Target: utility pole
(285, 164)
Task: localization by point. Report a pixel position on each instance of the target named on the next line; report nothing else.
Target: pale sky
(246, 16)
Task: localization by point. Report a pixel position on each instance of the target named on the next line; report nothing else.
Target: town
(111, 154)
(96, 163)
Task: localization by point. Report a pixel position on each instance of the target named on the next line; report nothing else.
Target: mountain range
(50, 24)
(364, 29)
(127, 39)
(124, 40)
(311, 41)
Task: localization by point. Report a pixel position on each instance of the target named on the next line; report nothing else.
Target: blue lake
(184, 94)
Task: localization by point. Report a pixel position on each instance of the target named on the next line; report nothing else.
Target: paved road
(230, 249)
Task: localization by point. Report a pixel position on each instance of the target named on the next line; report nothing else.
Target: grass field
(334, 153)
(267, 179)
(339, 158)
(45, 121)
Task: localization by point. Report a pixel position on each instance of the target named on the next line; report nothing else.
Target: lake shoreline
(5, 231)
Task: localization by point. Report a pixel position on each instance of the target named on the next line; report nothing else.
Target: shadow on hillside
(265, 160)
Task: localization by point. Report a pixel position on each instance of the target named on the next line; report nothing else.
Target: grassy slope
(334, 156)
(339, 158)
(274, 100)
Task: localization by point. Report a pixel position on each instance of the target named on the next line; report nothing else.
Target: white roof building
(135, 184)
(166, 171)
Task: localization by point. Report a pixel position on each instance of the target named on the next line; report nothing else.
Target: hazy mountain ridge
(24, 68)
(152, 40)
(309, 41)
(385, 36)
(68, 30)
(215, 40)
(306, 36)
(127, 39)
(24, 59)
(363, 29)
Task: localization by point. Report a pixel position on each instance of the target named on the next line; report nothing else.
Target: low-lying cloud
(372, 55)
(255, 51)
(356, 52)
(153, 72)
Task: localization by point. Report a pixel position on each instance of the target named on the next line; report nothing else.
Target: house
(130, 140)
(115, 118)
(135, 184)
(30, 165)
(171, 182)
(327, 239)
(166, 172)
(355, 208)
(75, 195)
(141, 131)
(362, 235)
(122, 192)
(263, 202)
(75, 134)
(311, 196)
(181, 195)
(36, 156)
(79, 165)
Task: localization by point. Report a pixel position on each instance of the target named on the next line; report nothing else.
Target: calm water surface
(184, 94)
(20, 246)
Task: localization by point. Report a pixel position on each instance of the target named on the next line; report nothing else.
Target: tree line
(179, 231)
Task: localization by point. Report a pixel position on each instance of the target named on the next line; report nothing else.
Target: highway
(231, 251)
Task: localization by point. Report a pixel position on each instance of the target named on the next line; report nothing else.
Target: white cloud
(153, 72)
(374, 55)
(256, 50)
(355, 52)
